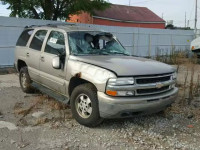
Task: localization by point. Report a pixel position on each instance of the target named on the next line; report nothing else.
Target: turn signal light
(111, 93)
(193, 47)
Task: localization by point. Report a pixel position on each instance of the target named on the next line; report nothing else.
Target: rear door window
(24, 37)
(38, 40)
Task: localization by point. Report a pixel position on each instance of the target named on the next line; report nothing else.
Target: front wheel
(84, 105)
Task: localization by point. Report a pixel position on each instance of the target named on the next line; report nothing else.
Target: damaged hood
(126, 65)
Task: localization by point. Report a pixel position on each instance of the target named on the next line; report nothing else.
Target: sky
(168, 9)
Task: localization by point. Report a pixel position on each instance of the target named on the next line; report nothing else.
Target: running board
(51, 93)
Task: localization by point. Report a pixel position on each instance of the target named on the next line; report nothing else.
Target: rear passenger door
(34, 52)
(54, 79)
(22, 45)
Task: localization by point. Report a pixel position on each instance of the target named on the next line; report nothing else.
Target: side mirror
(56, 62)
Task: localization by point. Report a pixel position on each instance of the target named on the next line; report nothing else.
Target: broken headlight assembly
(174, 76)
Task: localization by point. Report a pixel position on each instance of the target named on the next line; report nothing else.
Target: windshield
(95, 43)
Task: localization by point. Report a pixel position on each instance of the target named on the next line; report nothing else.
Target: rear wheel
(84, 105)
(25, 80)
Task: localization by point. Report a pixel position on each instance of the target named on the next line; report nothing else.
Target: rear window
(24, 37)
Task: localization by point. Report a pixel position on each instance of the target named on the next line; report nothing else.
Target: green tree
(53, 9)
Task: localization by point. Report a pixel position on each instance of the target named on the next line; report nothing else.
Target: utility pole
(129, 2)
(195, 24)
(185, 20)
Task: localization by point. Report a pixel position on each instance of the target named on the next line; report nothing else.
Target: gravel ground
(37, 122)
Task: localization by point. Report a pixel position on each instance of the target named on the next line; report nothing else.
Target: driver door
(54, 79)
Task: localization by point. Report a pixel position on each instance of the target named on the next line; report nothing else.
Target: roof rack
(52, 25)
(61, 24)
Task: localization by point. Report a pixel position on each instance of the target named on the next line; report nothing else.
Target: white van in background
(195, 46)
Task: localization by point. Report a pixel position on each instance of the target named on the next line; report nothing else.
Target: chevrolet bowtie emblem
(159, 85)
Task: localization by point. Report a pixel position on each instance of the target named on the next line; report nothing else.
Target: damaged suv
(93, 72)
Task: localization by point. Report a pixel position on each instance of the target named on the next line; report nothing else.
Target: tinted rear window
(24, 37)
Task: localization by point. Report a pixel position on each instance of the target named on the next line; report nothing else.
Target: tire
(84, 105)
(25, 80)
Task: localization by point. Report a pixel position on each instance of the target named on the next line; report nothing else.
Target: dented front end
(91, 73)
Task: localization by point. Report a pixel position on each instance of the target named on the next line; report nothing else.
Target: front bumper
(119, 107)
(196, 51)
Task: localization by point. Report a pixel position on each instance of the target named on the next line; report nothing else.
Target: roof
(128, 14)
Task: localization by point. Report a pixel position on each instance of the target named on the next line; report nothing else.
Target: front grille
(149, 85)
(152, 90)
(153, 80)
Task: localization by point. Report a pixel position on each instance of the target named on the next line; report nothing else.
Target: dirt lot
(38, 122)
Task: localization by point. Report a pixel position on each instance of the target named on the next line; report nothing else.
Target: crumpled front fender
(94, 74)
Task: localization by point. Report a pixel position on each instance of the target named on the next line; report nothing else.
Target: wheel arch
(20, 64)
(76, 81)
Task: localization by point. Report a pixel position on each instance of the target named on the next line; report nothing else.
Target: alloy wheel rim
(23, 80)
(83, 106)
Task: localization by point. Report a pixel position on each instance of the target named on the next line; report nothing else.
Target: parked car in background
(93, 72)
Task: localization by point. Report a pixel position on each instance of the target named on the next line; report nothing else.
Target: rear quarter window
(24, 37)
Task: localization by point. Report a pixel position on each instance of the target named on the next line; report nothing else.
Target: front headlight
(120, 81)
(174, 76)
(113, 85)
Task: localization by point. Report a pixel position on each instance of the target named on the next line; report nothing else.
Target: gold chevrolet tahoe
(93, 72)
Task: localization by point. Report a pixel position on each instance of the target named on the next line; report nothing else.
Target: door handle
(27, 54)
(42, 58)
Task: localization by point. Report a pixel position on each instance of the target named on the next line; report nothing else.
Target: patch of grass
(174, 58)
(18, 105)
(185, 87)
(41, 121)
(197, 87)
(55, 105)
(24, 112)
(190, 87)
(22, 122)
(19, 110)
(43, 102)
(63, 109)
